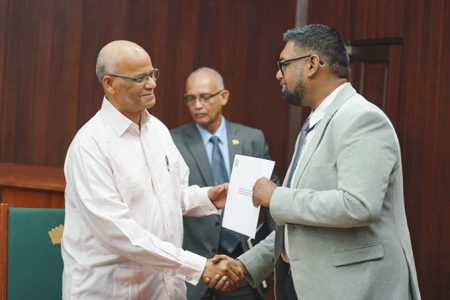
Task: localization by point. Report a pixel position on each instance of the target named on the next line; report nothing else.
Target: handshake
(223, 273)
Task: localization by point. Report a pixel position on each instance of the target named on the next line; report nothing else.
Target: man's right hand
(223, 284)
(222, 273)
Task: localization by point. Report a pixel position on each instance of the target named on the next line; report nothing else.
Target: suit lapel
(234, 147)
(340, 99)
(234, 143)
(197, 149)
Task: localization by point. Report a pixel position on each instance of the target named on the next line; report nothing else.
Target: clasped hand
(223, 273)
(218, 195)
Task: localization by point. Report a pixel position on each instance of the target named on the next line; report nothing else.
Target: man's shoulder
(182, 130)
(245, 130)
(91, 129)
(358, 106)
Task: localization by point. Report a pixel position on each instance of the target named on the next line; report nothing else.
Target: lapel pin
(235, 142)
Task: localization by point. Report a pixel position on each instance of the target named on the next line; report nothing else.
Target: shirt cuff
(192, 270)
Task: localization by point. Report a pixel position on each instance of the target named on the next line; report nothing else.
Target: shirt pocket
(134, 185)
(358, 255)
(174, 179)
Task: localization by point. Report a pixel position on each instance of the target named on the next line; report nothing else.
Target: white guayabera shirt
(126, 193)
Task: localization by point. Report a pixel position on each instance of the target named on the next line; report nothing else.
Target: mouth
(201, 115)
(148, 95)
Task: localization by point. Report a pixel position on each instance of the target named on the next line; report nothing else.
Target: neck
(323, 89)
(136, 118)
(212, 128)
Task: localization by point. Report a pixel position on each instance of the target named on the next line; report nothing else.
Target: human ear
(224, 97)
(313, 65)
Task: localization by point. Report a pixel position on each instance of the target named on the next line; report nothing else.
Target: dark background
(400, 61)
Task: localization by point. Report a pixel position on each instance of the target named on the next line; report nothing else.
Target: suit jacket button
(217, 223)
(214, 250)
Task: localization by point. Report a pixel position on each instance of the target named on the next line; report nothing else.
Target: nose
(279, 75)
(198, 103)
(150, 83)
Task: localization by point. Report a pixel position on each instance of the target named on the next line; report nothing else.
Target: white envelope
(240, 215)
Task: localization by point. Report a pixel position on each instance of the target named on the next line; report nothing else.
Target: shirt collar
(117, 120)
(319, 112)
(221, 132)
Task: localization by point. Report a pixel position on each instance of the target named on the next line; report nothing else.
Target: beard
(295, 98)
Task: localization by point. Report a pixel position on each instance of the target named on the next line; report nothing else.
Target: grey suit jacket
(346, 226)
(201, 235)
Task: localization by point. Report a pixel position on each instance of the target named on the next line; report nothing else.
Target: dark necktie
(279, 231)
(228, 239)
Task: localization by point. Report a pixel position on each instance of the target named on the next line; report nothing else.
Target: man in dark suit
(205, 96)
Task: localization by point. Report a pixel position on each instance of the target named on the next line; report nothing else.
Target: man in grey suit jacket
(205, 97)
(342, 230)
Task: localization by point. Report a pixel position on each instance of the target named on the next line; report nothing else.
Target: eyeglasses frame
(282, 64)
(141, 79)
(202, 100)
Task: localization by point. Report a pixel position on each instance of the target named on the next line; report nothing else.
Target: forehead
(200, 84)
(134, 64)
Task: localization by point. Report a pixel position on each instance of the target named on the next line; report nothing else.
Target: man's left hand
(262, 192)
(218, 195)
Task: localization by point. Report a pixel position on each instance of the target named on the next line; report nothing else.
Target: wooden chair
(30, 253)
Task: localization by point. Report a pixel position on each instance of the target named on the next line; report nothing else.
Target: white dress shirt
(126, 192)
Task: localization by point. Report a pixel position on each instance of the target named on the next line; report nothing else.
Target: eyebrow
(145, 73)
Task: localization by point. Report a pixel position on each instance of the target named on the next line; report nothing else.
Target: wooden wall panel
(360, 19)
(332, 13)
(377, 19)
(39, 71)
(376, 68)
(425, 141)
(48, 51)
(421, 115)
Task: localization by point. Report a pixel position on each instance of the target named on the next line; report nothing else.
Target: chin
(150, 104)
(201, 120)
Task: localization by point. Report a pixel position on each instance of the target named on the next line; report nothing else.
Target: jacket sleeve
(259, 260)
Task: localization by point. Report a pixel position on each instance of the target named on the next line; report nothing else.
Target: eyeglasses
(203, 98)
(154, 74)
(283, 63)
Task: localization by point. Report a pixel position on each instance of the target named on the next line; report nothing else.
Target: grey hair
(102, 67)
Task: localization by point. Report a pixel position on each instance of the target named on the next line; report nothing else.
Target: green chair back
(34, 264)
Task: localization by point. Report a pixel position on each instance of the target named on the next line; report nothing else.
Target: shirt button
(189, 278)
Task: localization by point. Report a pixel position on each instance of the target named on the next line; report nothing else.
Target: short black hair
(326, 42)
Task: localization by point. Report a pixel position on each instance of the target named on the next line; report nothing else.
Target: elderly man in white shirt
(127, 192)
